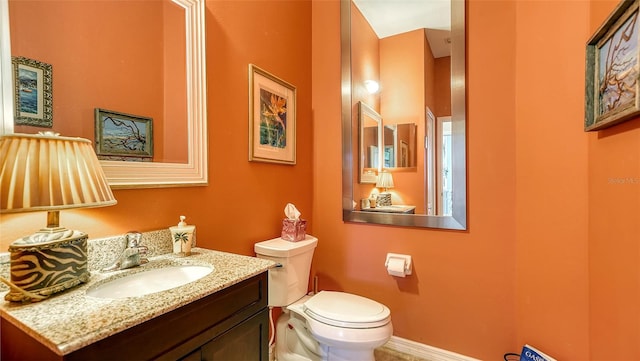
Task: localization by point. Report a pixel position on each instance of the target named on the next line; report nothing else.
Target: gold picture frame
(33, 92)
(272, 118)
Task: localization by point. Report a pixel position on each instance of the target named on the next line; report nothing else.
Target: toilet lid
(346, 310)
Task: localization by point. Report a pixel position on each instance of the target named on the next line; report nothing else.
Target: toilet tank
(290, 280)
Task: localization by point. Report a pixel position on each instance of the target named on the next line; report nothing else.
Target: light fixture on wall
(372, 86)
(385, 181)
(47, 172)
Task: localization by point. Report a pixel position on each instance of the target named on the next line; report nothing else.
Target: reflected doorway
(438, 165)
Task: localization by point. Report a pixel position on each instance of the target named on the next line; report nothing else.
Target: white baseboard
(423, 351)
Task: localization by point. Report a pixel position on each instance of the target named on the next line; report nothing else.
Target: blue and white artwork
(33, 92)
(28, 87)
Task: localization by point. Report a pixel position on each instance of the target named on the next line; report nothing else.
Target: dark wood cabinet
(231, 324)
(243, 342)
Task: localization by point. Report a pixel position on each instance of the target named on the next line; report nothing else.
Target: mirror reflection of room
(412, 98)
(399, 145)
(133, 64)
(370, 134)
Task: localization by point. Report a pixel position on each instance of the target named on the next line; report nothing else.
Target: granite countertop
(71, 320)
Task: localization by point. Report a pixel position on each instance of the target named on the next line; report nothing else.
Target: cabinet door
(247, 341)
(194, 356)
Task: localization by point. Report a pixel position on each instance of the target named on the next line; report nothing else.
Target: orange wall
(247, 204)
(442, 86)
(365, 60)
(402, 70)
(405, 60)
(174, 68)
(551, 238)
(614, 247)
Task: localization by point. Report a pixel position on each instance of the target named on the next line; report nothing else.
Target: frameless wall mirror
(419, 70)
(148, 63)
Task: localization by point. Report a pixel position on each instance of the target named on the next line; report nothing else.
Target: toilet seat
(346, 310)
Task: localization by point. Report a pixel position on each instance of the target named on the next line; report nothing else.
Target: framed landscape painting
(33, 98)
(272, 118)
(612, 69)
(121, 136)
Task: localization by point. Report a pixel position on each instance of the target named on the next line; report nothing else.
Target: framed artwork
(388, 157)
(272, 118)
(612, 92)
(404, 154)
(121, 136)
(32, 94)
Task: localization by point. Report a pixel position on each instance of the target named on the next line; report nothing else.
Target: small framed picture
(404, 154)
(121, 136)
(32, 81)
(612, 89)
(272, 118)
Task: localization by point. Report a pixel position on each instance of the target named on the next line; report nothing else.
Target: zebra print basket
(46, 268)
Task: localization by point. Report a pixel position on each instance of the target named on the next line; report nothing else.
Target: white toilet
(333, 326)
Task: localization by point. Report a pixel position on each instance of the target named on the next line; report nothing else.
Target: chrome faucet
(133, 255)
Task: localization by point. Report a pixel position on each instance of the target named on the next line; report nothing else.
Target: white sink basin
(152, 281)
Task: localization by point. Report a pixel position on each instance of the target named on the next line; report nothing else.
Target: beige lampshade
(47, 172)
(385, 180)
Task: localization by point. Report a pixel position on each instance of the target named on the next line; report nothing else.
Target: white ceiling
(391, 17)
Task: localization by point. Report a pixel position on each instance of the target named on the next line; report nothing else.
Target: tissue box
(294, 230)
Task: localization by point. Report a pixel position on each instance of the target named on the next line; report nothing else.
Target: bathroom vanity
(221, 316)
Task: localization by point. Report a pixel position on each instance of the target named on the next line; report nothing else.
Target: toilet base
(294, 342)
(291, 347)
(334, 354)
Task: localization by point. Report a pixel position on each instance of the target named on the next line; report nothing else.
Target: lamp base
(45, 268)
(384, 199)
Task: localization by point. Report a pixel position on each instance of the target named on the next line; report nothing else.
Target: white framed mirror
(434, 190)
(192, 171)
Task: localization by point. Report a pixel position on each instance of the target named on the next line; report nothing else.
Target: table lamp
(48, 172)
(385, 181)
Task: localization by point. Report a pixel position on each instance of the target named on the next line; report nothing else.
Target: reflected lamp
(385, 181)
(48, 172)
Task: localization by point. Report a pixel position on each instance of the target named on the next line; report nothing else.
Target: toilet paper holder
(395, 259)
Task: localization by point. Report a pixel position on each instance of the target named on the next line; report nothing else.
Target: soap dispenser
(182, 237)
